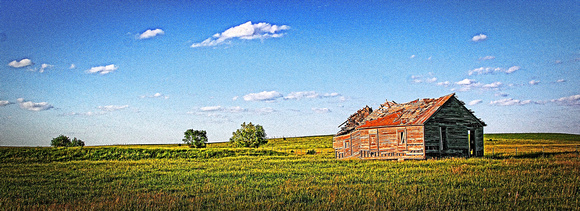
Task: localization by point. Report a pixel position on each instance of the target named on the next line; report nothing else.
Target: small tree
(77, 143)
(249, 135)
(195, 138)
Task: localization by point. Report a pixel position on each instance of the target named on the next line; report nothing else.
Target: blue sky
(121, 72)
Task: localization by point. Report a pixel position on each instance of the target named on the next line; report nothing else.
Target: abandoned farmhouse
(419, 129)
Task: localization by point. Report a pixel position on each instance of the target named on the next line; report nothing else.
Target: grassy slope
(292, 182)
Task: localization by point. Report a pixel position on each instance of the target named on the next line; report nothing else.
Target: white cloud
(488, 70)
(235, 98)
(573, 100)
(211, 108)
(266, 110)
(300, 95)
(421, 79)
(445, 83)
(493, 85)
(103, 69)
(501, 94)
(309, 94)
(72, 66)
(479, 37)
(233, 109)
(4, 102)
(474, 102)
(321, 110)
(31, 106)
(512, 69)
(510, 102)
(466, 85)
(534, 82)
(43, 67)
(263, 96)
(156, 95)
(412, 56)
(487, 58)
(113, 107)
(21, 63)
(90, 113)
(561, 80)
(151, 33)
(465, 82)
(246, 31)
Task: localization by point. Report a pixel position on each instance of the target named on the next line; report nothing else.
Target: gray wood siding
(456, 120)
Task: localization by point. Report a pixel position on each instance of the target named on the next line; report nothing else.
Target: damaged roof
(412, 113)
(416, 112)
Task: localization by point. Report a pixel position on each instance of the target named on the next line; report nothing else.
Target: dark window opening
(443, 138)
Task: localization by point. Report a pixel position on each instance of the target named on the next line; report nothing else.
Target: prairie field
(291, 174)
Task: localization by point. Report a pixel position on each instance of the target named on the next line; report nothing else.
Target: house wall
(381, 143)
(447, 132)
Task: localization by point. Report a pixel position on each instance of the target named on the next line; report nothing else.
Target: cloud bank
(489, 70)
(246, 31)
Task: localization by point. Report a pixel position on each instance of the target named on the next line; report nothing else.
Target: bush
(249, 135)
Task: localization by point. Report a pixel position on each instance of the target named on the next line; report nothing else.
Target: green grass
(257, 179)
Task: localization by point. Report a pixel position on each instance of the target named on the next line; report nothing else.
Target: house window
(402, 137)
(443, 138)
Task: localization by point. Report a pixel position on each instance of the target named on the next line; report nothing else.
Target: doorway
(471, 141)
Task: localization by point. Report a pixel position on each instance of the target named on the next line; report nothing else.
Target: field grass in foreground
(288, 181)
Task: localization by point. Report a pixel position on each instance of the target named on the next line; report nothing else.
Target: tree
(77, 143)
(64, 141)
(195, 138)
(60, 141)
(249, 135)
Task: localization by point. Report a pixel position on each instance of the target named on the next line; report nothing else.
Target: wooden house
(419, 129)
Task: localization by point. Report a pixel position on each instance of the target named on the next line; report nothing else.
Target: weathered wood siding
(339, 144)
(386, 143)
(447, 132)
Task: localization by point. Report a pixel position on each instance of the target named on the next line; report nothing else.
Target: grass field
(281, 176)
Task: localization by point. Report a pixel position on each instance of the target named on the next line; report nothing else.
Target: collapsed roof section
(354, 120)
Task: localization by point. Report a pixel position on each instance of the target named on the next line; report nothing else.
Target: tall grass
(289, 182)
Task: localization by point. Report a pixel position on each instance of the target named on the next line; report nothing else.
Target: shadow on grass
(500, 156)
